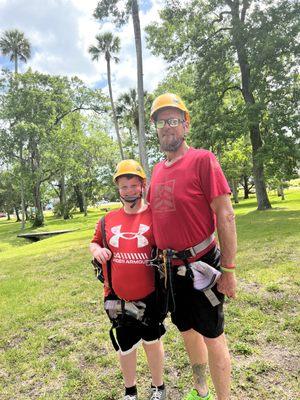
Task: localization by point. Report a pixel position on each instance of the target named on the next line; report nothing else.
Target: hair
(129, 176)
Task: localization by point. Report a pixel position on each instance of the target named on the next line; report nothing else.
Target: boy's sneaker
(193, 395)
(130, 397)
(157, 394)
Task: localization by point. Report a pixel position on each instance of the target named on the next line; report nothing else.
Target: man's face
(171, 138)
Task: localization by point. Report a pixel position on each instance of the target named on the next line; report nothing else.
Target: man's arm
(222, 207)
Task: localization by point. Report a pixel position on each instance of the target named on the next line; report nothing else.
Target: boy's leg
(219, 365)
(197, 353)
(155, 358)
(128, 368)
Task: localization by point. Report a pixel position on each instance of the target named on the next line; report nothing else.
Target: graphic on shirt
(163, 199)
(142, 241)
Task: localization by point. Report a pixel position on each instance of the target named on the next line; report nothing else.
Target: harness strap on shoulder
(108, 262)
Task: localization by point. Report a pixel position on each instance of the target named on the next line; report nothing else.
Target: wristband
(229, 265)
(224, 269)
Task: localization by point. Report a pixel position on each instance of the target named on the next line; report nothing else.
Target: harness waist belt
(194, 250)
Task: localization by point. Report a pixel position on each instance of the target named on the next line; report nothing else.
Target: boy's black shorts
(192, 308)
(129, 337)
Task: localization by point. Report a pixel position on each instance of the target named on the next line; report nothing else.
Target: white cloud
(61, 32)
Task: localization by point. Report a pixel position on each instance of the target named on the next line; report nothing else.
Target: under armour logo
(142, 241)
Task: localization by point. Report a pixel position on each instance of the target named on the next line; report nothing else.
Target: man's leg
(219, 365)
(197, 353)
(155, 357)
(128, 368)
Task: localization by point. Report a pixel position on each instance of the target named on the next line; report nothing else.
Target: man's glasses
(172, 122)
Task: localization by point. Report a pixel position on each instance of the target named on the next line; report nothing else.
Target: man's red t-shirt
(130, 239)
(180, 197)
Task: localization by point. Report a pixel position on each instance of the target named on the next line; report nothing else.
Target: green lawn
(54, 334)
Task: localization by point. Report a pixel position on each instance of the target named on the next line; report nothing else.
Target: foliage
(14, 44)
(107, 45)
(244, 56)
(34, 112)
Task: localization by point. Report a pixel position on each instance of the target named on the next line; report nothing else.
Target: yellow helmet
(169, 100)
(131, 167)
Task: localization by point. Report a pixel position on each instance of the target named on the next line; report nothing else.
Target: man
(189, 198)
(129, 285)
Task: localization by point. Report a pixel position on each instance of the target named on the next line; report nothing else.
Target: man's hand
(227, 284)
(102, 254)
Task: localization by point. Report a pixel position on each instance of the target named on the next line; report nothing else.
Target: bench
(36, 236)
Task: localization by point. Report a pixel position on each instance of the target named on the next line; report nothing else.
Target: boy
(129, 285)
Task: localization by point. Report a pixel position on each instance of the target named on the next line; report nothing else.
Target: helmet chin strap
(131, 199)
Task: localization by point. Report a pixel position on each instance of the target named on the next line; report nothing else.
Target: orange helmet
(169, 100)
(131, 167)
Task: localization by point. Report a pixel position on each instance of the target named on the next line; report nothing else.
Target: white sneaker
(130, 397)
(158, 394)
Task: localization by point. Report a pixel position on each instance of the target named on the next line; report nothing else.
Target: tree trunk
(8, 216)
(79, 198)
(139, 58)
(84, 202)
(235, 191)
(113, 107)
(16, 62)
(62, 197)
(253, 115)
(35, 168)
(131, 140)
(22, 191)
(280, 192)
(246, 187)
(26, 212)
(39, 216)
(17, 214)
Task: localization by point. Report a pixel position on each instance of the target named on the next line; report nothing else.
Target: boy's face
(129, 188)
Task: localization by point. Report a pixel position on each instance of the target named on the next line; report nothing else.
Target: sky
(61, 31)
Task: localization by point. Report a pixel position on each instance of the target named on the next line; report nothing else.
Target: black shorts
(129, 337)
(193, 310)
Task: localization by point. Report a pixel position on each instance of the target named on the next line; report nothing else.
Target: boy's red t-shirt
(130, 239)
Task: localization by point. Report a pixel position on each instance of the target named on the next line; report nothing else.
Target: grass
(54, 335)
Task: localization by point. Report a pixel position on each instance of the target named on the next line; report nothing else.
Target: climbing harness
(98, 270)
(120, 312)
(203, 275)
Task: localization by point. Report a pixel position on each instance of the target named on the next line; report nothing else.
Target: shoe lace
(156, 394)
(130, 397)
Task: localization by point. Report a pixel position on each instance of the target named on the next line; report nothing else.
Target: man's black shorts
(129, 337)
(193, 310)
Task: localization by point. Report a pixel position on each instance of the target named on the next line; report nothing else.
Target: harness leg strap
(214, 301)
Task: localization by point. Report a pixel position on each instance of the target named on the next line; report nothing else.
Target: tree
(236, 163)
(33, 112)
(14, 44)
(107, 45)
(128, 111)
(245, 47)
(120, 16)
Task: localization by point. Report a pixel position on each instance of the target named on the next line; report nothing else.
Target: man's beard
(173, 145)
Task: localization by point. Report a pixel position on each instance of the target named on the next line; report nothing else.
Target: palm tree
(108, 44)
(140, 85)
(14, 44)
(120, 15)
(128, 109)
